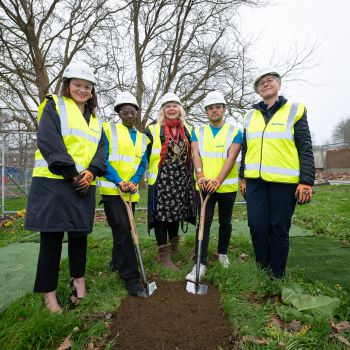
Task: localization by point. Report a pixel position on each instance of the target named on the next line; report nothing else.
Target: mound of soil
(172, 319)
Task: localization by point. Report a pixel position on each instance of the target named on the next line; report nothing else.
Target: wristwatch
(199, 170)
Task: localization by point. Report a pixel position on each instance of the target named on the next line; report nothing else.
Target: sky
(285, 24)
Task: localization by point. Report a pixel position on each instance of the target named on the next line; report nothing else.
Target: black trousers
(123, 251)
(270, 209)
(164, 229)
(225, 207)
(50, 255)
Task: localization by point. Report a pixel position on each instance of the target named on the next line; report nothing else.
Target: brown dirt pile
(172, 319)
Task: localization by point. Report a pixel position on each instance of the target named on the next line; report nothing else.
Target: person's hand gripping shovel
(195, 287)
(149, 287)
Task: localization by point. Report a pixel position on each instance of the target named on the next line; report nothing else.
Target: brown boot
(164, 257)
(175, 244)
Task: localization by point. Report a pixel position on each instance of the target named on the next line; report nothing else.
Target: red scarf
(180, 130)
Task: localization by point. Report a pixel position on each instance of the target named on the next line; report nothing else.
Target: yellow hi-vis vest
(155, 153)
(271, 152)
(80, 139)
(124, 157)
(213, 152)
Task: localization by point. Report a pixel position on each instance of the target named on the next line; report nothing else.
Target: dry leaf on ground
(251, 339)
(243, 257)
(341, 338)
(343, 326)
(67, 343)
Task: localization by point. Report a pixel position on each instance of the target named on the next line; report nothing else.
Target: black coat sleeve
(51, 145)
(303, 144)
(243, 153)
(149, 146)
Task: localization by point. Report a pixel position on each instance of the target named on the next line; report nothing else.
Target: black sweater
(302, 140)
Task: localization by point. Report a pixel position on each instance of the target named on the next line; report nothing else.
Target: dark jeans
(163, 229)
(123, 251)
(50, 256)
(225, 206)
(270, 209)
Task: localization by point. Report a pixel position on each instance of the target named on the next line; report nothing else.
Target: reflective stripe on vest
(213, 161)
(223, 154)
(43, 163)
(271, 152)
(124, 156)
(81, 143)
(66, 130)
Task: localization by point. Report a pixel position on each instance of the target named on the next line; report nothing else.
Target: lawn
(251, 301)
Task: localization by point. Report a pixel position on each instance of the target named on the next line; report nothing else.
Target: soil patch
(172, 319)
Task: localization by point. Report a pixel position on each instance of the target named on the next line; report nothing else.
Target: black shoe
(140, 293)
(134, 287)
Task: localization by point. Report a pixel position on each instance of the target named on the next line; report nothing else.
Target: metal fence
(17, 159)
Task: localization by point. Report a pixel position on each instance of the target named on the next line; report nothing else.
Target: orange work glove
(303, 193)
(124, 186)
(82, 182)
(243, 187)
(202, 181)
(132, 187)
(213, 185)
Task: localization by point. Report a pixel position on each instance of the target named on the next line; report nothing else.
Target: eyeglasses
(266, 81)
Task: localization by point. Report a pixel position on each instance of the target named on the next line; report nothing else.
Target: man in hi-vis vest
(215, 149)
(277, 169)
(126, 163)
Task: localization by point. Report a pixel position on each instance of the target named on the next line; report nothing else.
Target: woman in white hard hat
(62, 196)
(171, 196)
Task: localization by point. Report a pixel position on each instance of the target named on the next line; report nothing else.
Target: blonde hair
(161, 114)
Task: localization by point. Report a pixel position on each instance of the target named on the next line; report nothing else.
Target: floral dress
(174, 186)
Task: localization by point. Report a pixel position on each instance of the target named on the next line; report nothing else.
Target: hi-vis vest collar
(271, 151)
(114, 155)
(222, 154)
(287, 134)
(93, 138)
(66, 130)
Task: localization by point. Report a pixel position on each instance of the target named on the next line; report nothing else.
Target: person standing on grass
(215, 148)
(171, 188)
(277, 170)
(70, 154)
(126, 163)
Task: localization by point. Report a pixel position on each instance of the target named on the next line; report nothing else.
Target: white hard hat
(262, 73)
(79, 71)
(213, 98)
(170, 97)
(123, 98)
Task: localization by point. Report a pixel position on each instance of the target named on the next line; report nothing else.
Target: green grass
(245, 290)
(328, 214)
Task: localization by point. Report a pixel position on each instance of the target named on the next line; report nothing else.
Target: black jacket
(53, 205)
(302, 139)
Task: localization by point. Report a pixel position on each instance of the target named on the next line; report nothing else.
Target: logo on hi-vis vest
(277, 123)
